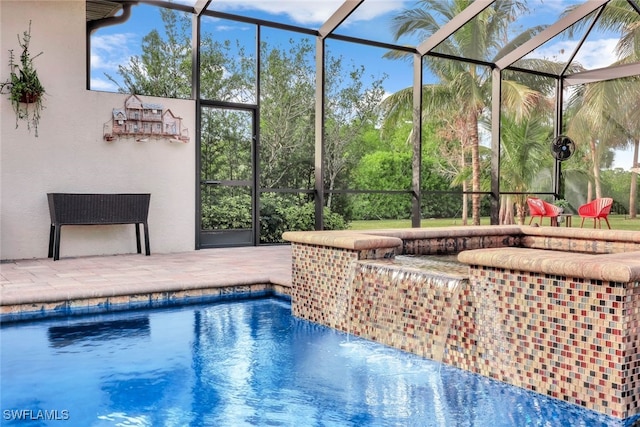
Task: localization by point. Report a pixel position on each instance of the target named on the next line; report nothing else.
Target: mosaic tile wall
(573, 339)
(579, 245)
(631, 339)
(322, 274)
(138, 301)
(453, 245)
(409, 310)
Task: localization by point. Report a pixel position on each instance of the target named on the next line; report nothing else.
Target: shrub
(277, 215)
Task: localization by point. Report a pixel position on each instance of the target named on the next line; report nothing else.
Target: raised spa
(553, 310)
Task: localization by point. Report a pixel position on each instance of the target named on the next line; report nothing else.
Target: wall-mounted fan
(562, 147)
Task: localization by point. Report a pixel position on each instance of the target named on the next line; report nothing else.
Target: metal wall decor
(144, 121)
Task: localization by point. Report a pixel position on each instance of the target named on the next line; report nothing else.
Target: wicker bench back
(70, 208)
(97, 209)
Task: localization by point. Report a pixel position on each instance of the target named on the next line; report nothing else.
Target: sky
(112, 46)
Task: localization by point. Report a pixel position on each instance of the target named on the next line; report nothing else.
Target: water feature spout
(343, 311)
(411, 309)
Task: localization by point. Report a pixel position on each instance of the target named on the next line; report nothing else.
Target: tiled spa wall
(573, 339)
(321, 275)
(410, 309)
(456, 244)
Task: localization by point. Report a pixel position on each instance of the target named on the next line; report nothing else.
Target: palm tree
(634, 118)
(524, 154)
(592, 124)
(610, 108)
(463, 91)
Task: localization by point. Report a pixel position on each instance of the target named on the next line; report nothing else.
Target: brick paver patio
(42, 280)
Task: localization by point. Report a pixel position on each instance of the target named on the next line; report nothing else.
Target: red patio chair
(542, 209)
(597, 209)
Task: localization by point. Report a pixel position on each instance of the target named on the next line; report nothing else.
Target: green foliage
(225, 144)
(383, 170)
(280, 214)
(164, 67)
(287, 120)
(392, 170)
(302, 218)
(227, 213)
(616, 183)
(351, 110)
(24, 87)
(277, 215)
(618, 222)
(565, 205)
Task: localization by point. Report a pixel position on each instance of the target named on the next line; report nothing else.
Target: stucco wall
(70, 154)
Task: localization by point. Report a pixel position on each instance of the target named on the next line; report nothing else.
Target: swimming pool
(238, 363)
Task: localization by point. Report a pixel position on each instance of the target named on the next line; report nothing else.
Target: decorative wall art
(143, 121)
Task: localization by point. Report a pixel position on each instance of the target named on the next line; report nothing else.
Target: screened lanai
(326, 112)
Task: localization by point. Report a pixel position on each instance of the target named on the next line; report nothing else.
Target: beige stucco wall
(70, 154)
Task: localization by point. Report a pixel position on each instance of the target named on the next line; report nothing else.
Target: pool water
(243, 363)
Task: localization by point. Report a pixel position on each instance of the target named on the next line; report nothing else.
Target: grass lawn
(618, 222)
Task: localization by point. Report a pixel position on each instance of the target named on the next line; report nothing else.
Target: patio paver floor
(22, 281)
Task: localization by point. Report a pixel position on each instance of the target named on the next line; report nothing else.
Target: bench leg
(51, 235)
(138, 246)
(56, 243)
(147, 247)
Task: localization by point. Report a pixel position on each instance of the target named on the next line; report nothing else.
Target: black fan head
(562, 147)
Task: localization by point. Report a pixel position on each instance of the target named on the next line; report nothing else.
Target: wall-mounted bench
(97, 209)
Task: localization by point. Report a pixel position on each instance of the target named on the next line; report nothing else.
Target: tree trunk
(506, 210)
(633, 192)
(329, 197)
(521, 212)
(595, 159)
(472, 122)
(465, 197)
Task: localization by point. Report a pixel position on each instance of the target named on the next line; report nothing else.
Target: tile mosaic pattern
(322, 275)
(573, 339)
(579, 245)
(406, 308)
(455, 244)
(19, 312)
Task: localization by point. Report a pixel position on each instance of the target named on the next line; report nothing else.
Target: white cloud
(593, 54)
(557, 6)
(308, 12)
(623, 159)
(109, 51)
(371, 9)
(598, 53)
(301, 12)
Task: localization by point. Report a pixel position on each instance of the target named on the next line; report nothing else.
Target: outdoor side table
(567, 219)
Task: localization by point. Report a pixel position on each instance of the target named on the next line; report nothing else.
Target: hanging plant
(23, 86)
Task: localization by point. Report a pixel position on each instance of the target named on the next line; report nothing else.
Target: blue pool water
(243, 363)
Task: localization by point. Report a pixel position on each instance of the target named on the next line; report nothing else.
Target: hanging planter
(23, 86)
(29, 98)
